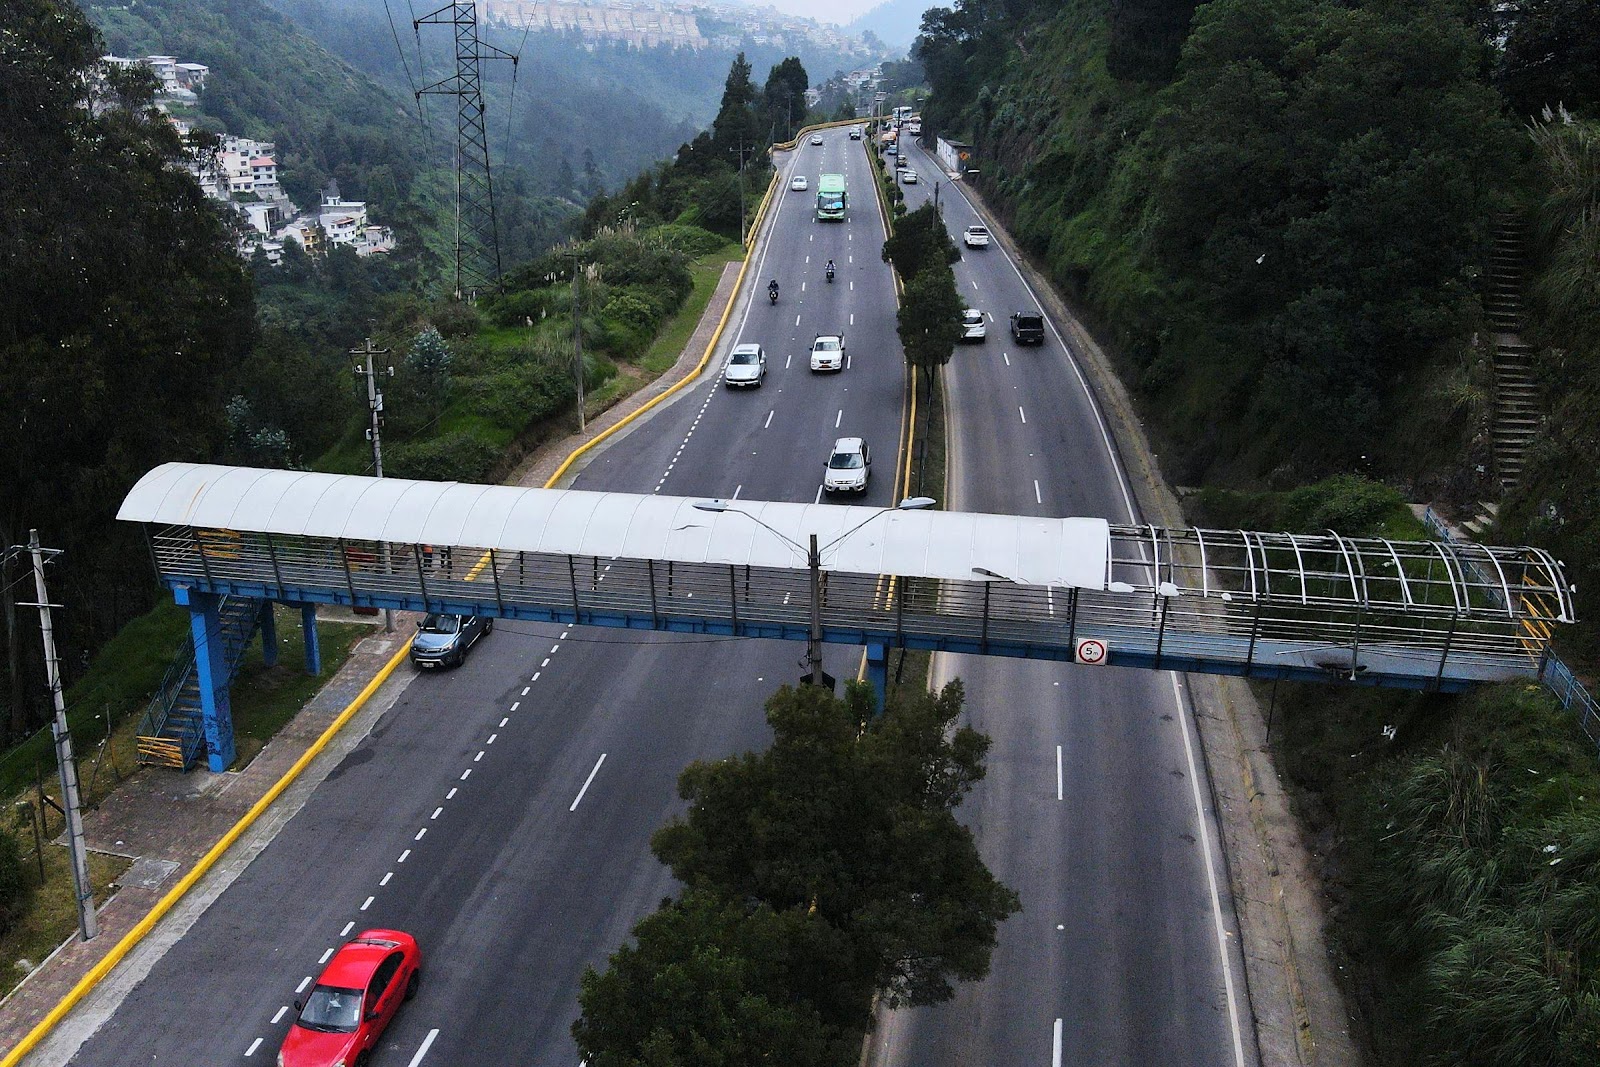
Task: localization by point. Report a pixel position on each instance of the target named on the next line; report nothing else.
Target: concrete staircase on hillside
(1518, 411)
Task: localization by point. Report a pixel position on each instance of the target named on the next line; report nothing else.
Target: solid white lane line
(251, 1051)
(326, 956)
(367, 903)
(1037, 499)
(1211, 874)
(281, 1013)
(384, 880)
(1024, 414)
(1060, 782)
(768, 423)
(436, 813)
(1055, 1046)
(586, 782)
(427, 1043)
(301, 988)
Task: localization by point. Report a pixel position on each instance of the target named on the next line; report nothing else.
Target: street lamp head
(987, 573)
(1119, 587)
(915, 503)
(718, 506)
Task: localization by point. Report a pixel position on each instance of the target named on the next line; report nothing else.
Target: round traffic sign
(1091, 650)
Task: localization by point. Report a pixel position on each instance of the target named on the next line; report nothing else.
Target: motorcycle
(772, 294)
(830, 274)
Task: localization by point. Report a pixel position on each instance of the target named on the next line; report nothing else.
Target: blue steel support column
(308, 623)
(269, 634)
(211, 672)
(878, 672)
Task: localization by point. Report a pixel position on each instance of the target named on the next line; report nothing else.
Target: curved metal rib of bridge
(1418, 615)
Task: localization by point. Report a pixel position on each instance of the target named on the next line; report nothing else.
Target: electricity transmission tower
(477, 238)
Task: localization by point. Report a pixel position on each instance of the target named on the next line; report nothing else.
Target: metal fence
(1233, 602)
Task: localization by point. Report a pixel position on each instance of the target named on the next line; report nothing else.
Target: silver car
(444, 640)
(973, 327)
(848, 468)
(746, 366)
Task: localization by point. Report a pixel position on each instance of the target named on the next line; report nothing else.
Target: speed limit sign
(1092, 650)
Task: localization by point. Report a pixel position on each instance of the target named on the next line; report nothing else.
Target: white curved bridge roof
(1040, 551)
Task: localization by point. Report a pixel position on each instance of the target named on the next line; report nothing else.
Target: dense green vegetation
(1279, 218)
(818, 873)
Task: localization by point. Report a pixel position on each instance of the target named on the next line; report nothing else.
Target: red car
(354, 1001)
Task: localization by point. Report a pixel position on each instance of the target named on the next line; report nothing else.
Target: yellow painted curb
(98, 972)
(711, 346)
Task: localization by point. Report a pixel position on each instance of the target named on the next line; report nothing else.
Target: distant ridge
(895, 22)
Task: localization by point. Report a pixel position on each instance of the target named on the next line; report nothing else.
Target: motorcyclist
(772, 289)
(830, 270)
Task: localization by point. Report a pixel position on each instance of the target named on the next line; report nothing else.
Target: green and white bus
(832, 201)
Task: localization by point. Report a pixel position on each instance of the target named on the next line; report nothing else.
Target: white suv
(973, 327)
(745, 367)
(827, 352)
(848, 468)
(976, 237)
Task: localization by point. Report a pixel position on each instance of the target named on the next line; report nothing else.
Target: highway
(502, 812)
(1094, 808)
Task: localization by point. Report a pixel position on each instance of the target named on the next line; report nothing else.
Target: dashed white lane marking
(797, 320)
(564, 633)
(326, 956)
(1037, 499)
(1060, 782)
(436, 813)
(1055, 1046)
(524, 690)
(478, 757)
(819, 495)
(301, 988)
(837, 419)
(502, 726)
(385, 879)
(251, 1051)
(515, 704)
(427, 1043)
(1024, 415)
(557, 646)
(788, 360)
(852, 285)
(405, 855)
(491, 738)
(768, 423)
(281, 1013)
(545, 664)
(466, 773)
(421, 834)
(586, 782)
(737, 489)
(535, 676)
(365, 904)
(803, 286)
(1006, 357)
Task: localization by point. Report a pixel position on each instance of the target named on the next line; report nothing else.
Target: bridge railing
(1246, 611)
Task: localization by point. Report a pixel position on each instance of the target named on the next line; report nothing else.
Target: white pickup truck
(827, 352)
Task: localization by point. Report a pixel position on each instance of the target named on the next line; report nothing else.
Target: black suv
(1027, 327)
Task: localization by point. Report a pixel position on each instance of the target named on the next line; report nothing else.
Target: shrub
(455, 319)
(463, 456)
(13, 887)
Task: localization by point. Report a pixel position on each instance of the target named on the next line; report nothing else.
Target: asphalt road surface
(1093, 809)
(502, 812)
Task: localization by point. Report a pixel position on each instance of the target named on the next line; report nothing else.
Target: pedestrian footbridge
(1419, 615)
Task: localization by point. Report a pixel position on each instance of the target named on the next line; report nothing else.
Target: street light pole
(813, 554)
(375, 431)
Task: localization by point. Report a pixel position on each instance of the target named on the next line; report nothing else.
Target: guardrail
(1554, 674)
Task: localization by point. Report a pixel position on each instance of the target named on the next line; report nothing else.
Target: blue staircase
(171, 733)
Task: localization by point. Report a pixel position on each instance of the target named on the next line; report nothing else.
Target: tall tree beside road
(784, 98)
(919, 241)
(1551, 56)
(852, 819)
(123, 302)
(930, 319)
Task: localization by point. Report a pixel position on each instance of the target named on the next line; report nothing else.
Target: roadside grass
(265, 698)
(706, 272)
(49, 914)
